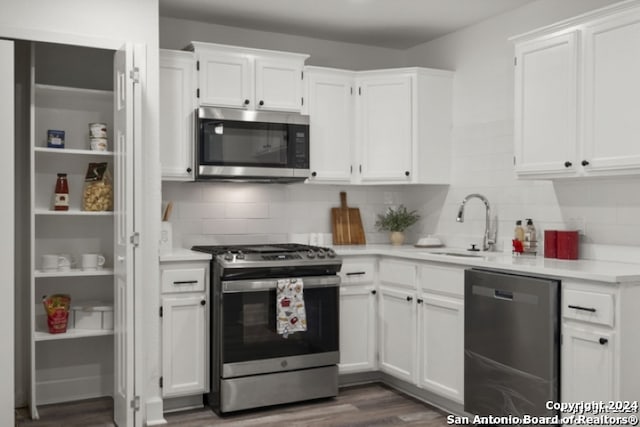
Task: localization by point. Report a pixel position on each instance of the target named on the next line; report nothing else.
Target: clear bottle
(61, 202)
(530, 232)
(518, 233)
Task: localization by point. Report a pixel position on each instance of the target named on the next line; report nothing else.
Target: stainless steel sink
(459, 254)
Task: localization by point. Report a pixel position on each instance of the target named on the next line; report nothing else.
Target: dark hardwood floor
(356, 406)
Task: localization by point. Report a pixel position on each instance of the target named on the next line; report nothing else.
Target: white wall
(178, 33)
(482, 58)
(109, 25)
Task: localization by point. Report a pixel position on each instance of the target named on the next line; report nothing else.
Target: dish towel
(291, 313)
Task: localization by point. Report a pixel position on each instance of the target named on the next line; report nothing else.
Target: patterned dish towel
(291, 313)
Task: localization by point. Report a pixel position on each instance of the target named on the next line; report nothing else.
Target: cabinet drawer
(357, 272)
(398, 273)
(183, 280)
(590, 307)
(442, 279)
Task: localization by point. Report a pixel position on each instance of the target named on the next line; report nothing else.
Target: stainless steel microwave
(244, 145)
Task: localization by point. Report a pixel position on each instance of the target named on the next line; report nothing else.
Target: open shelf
(74, 272)
(73, 212)
(71, 334)
(71, 152)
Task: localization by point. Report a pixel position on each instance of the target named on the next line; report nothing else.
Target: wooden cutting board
(346, 224)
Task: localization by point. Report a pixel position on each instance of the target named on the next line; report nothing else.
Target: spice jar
(61, 201)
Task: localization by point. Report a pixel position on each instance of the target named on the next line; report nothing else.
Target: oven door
(250, 342)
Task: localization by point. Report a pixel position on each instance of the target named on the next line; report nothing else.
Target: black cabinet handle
(419, 300)
(246, 102)
(261, 103)
(407, 173)
(603, 341)
(585, 163)
(189, 170)
(185, 282)
(314, 173)
(356, 273)
(568, 164)
(409, 298)
(577, 307)
(203, 302)
(374, 292)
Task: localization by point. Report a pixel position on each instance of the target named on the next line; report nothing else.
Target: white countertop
(602, 271)
(181, 254)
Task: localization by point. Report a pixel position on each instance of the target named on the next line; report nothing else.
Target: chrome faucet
(487, 241)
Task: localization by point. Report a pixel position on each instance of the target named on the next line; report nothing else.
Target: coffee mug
(51, 262)
(92, 261)
(65, 262)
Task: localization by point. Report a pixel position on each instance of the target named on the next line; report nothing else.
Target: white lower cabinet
(185, 329)
(441, 341)
(397, 332)
(358, 316)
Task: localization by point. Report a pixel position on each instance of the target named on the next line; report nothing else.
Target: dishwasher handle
(500, 294)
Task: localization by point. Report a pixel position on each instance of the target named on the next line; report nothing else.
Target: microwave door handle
(234, 286)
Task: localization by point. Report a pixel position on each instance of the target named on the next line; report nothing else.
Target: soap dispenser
(530, 240)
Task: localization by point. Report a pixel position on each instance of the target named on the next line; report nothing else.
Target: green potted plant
(396, 221)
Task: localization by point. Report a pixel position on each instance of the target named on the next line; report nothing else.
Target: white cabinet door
(386, 128)
(441, 340)
(612, 94)
(177, 110)
(397, 333)
(225, 79)
(357, 329)
(331, 115)
(184, 344)
(588, 371)
(546, 106)
(278, 84)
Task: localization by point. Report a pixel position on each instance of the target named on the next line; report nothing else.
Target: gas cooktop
(268, 254)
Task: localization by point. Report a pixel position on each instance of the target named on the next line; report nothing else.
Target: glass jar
(61, 200)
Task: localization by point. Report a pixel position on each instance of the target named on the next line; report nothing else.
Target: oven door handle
(231, 286)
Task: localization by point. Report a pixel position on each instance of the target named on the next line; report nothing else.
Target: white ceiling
(387, 23)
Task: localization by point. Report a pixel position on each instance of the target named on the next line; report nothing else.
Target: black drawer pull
(203, 302)
(409, 299)
(373, 292)
(357, 273)
(185, 282)
(419, 300)
(577, 307)
(603, 341)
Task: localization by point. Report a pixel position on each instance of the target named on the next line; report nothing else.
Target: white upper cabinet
(577, 96)
(177, 110)
(380, 127)
(546, 106)
(331, 115)
(237, 77)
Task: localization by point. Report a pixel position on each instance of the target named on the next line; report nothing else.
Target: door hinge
(514, 160)
(197, 65)
(351, 90)
(198, 93)
(161, 311)
(360, 168)
(301, 75)
(302, 100)
(351, 169)
(135, 403)
(135, 239)
(161, 382)
(360, 90)
(135, 75)
(515, 61)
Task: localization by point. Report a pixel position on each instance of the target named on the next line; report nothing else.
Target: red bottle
(61, 202)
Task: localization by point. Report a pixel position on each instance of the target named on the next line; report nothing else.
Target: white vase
(397, 238)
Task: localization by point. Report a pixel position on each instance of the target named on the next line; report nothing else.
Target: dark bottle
(61, 202)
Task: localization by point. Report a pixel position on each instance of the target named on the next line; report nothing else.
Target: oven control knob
(239, 255)
(311, 254)
(321, 253)
(228, 256)
(331, 253)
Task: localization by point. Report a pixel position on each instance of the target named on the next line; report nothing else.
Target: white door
(128, 66)
(331, 117)
(546, 106)
(357, 329)
(386, 128)
(225, 80)
(588, 372)
(278, 84)
(441, 339)
(612, 94)
(7, 230)
(184, 344)
(397, 322)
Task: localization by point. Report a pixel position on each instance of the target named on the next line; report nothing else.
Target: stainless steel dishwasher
(511, 344)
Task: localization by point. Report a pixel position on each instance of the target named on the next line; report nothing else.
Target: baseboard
(67, 390)
(174, 404)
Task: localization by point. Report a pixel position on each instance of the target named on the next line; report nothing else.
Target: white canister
(98, 130)
(98, 144)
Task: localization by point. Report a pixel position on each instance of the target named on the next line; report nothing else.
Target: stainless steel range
(252, 364)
